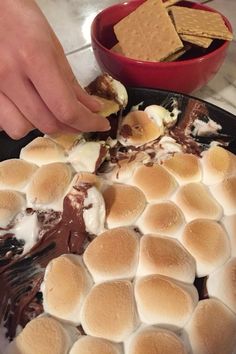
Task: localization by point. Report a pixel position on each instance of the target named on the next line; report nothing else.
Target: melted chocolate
(101, 87)
(181, 132)
(20, 299)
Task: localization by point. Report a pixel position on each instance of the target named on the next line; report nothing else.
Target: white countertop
(71, 20)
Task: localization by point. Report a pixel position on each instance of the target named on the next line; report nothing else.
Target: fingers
(31, 106)
(12, 120)
(59, 97)
(89, 101)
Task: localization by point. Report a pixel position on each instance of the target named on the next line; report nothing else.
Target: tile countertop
(71, 20)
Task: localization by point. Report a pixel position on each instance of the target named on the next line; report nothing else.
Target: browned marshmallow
(154, 340)
(197, 202)
(222, 284)
(88, 178)
(125, 168)
(138, 129)
(217, 164)
(164, 301)
(109, 311)
(66, 283)
(42, 151)
(67, 141)
(113, 255)
(16, 174)
(44, 335)
(124, 204)
(163, 218)
(11, 203)
(208, 243)
(229, 223)
(155, 182)
(165, 256)
(225, 194)
(49, 185)
(92, 345)
(212, 328)
(184, 167)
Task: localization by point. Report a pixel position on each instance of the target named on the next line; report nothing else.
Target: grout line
(86, 46)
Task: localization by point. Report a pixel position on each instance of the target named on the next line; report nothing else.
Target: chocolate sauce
(102, 87)
(20, 280)
(102, 154)
(181, 132)
(126, 131)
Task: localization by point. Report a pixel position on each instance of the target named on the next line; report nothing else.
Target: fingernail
(106, 125)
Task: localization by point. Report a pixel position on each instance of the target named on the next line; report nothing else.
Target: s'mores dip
(121, 242)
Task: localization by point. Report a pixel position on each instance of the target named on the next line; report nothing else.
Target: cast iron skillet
(10, 148)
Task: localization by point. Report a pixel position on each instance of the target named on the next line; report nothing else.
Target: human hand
(37, 86)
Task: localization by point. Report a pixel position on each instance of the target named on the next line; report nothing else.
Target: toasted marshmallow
(229, 223)
(155, 182)
(49, 185)
(161, 115)
(109, 311)
(208, 243)
(124, 204)
(138, 129)
(88, 178)
(165, 256)
(154, 340)
(164, 301)
(88, 345)
(15, 174)
(196, 202)
(44, 335)
(11, 203)
(86, 156)
(164, 218)
(225, 194)
(222, 284)
(42, 151)
(184, 167)
(113, 255)
(217, 164)
(66, 140)
(65, 286)
(125, 168)
(212, 328)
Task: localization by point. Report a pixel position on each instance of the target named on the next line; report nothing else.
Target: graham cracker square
(169, 3)
(200, 23)
(200, 41)
(148, 33)
(178, 54)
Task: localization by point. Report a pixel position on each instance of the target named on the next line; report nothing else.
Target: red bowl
(184, 75)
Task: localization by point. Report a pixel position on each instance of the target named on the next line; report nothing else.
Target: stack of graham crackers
(158, 31)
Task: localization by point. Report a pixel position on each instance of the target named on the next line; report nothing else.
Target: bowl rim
(185, 62)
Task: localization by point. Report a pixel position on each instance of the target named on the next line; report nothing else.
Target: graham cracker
(200, 23)
(200, 41)
(168, 3)
(109, 106)
(148, 33)
(178, 54)
(117, 48)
